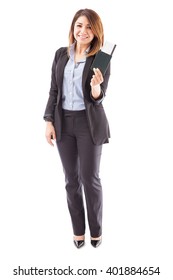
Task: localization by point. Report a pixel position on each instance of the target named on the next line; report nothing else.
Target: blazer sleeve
(50, 107)
(103, 86)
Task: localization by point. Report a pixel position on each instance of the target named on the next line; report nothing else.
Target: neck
(80, 49)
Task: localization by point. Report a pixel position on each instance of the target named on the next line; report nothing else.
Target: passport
(103, 57)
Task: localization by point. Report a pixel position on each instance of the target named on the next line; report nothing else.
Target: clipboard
(103, 57)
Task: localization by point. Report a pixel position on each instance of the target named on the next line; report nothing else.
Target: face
(82, 31)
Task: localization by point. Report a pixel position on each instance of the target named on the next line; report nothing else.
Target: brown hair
(96, 27)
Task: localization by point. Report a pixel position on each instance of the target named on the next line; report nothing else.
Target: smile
(83, 37)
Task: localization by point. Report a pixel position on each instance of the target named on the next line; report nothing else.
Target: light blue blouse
(72, 96)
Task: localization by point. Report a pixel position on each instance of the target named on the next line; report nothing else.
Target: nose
(83, 29)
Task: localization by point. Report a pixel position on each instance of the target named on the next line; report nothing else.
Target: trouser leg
(67, 148)
(89, 157)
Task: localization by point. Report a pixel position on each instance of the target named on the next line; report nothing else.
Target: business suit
(81, 158)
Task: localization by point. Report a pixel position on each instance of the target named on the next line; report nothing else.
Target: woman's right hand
(50, 133)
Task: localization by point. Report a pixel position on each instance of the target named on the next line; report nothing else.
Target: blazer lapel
(86, 71)
(60, 69)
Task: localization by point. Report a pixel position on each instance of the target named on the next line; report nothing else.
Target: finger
(51, 143)
(93, 83)
(98, 75)
(96, 80)
(54, 135)
(98, 72)
(49, 140)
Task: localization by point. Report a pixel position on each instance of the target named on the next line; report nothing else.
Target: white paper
(108, 47)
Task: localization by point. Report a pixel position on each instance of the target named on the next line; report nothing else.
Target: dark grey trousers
(81, 161)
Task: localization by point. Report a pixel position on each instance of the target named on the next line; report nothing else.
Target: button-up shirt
(72, 96)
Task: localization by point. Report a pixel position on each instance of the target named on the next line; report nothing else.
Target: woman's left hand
(97, 78)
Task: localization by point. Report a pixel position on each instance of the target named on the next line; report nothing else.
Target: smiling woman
(83, 35)
(76, 119)
(85, 20)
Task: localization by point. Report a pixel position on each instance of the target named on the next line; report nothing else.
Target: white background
(137, 164)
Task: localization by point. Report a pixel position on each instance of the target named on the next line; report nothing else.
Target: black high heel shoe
(79, 243)
(96, 242)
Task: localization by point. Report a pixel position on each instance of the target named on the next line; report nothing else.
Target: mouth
(83, 37)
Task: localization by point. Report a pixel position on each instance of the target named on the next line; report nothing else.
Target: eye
(79, 25)
(89, 27)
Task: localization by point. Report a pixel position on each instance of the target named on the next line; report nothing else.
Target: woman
(75, 118)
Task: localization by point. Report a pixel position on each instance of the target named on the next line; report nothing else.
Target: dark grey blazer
(97, 120)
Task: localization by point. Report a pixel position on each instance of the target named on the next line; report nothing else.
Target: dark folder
(103, 57)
